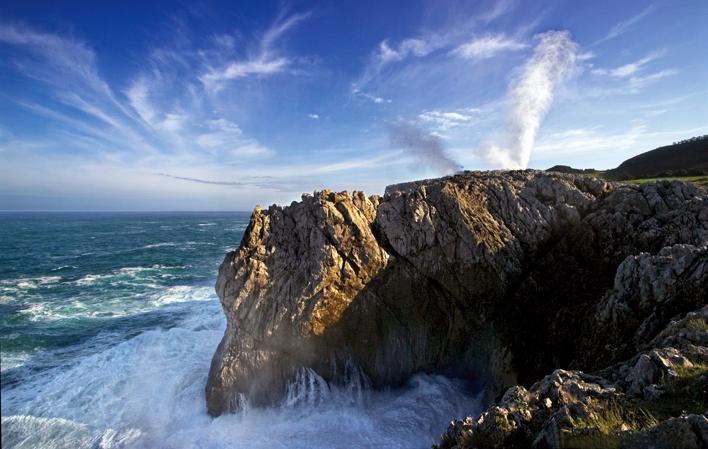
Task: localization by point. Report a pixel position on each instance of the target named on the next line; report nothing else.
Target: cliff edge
(498, 277)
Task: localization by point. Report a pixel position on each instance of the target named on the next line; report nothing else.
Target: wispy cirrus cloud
(444, 120)
(164, 120)
(67, 68)
(616, 145)
(453, 41)
(639, 83)
(625, 25)
(631, 68)
(370, 97)
(264, 60)
(162, 131)
(632, 74)
(488, 46)
(408, 47)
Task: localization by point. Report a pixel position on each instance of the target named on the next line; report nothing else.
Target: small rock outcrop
(656, 399)
(498, 277)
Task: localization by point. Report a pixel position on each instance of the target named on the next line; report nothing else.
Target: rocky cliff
(499, 277)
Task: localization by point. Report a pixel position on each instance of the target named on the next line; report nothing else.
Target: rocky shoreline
(497, 277)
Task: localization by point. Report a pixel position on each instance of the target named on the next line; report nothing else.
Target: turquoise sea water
(108, 325)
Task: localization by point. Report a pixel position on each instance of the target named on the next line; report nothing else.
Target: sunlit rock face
(469, 275)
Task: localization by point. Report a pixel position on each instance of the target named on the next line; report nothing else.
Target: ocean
(108, 325)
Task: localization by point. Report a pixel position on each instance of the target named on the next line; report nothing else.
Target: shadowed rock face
(462, 274)
(656, 399)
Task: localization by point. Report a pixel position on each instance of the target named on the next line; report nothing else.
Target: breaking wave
(148, 392)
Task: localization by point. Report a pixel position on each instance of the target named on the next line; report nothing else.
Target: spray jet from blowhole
(530, 97)
(424, 147)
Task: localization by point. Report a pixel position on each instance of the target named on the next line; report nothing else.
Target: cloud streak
(630, 69)
(452, 40)
(265, 61)
(165, 120)
(488, 46)
(445, 120)
(622, 27)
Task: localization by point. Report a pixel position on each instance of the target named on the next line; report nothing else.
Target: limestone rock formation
(657, 399)
(498, 277)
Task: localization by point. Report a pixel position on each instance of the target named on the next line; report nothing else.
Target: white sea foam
(160, 245)
(148, 392)
(118, 306)
(13, 360)
(182, 293)
(64, 267)
(126, 274)
(27, 283)
(90, 279)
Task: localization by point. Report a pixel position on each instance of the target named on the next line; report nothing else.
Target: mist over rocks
(497, 277)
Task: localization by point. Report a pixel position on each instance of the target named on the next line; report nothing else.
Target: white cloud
(499, 8)
(639, 83)
(488, 46)
(628, 69)
(164, 121)
(587, 140)
(609, 147)
(445, 120)
(164, 118)
(265, 61)
(137, 94)
(68, 67)
(370, 97)
(313, 116)
(239, 69)
(414, 46)
(428, 44)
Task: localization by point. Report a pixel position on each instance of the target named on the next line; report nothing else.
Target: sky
(225, 105)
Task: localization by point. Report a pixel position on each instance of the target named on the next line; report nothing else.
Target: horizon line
(122, 211)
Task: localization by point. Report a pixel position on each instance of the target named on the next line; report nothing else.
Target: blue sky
(221, 106)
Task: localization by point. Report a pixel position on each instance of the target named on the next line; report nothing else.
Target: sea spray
(148, 392)
(350, 386)
(530, 97)
(424, 147)
(308, 388)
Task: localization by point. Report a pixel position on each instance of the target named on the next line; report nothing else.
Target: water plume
(425, 147)
(530, 97)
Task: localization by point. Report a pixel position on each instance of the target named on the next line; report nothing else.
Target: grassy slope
(700, 180)
(685, 161)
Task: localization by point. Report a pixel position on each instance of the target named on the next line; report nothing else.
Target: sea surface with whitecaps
(109, 322)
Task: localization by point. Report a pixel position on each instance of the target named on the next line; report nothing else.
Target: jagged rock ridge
(471, 275)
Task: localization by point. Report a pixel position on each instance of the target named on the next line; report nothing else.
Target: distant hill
(685, 158)
(569, 169)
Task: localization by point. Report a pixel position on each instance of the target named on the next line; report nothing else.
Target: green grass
(697, 324)
(700, 180)
(603, 427)
(684, 394)
(611, 416)
(607, 175)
